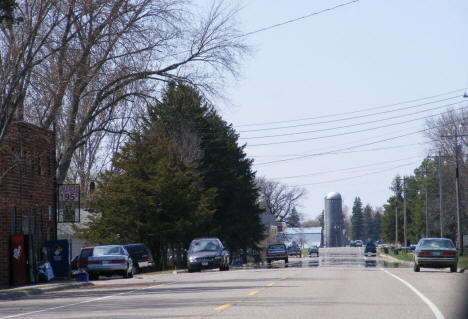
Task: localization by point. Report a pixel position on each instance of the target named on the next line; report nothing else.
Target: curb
(410, 263)
(37, 290)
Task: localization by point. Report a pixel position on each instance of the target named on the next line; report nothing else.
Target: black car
(295, 250)
(277, 252)
(370, 249)
(435, 253)
(314, 250)
(207, 253)
(141, 257)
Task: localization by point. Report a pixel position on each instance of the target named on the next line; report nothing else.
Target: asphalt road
(341, 283)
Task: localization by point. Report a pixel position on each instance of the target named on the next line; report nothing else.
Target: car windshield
(203, 245)
(277, 246)
(107, 250)
(436, 244)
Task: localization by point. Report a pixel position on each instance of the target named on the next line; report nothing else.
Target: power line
(342, 149)
(354, 112)
(352, 117)
(347, 133)
(355, 151)
(354, 177)
(352, 125)
(296, 19)
(347, 169)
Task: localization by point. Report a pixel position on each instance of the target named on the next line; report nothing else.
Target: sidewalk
(36, 289)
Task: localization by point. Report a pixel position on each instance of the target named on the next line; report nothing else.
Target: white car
(109, 260)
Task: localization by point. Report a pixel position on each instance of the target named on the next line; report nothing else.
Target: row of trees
(409, 192)
(365, 222)
(181, 176)
(87, 69)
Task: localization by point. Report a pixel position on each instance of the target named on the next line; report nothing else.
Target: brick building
(27, 194)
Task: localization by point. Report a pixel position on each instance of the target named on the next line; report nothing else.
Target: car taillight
(118, 261)
(424, 253)
(448, 253)
(78, 263)
(148, 258)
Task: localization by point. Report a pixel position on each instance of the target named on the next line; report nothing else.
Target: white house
(305, 237)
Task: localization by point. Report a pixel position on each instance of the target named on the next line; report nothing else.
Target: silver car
(435, 253)
(109, 260)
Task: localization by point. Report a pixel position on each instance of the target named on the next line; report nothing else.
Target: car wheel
(268, 261)
(227, 267)
(453, 268)
(137, 269)
(416, 268)
(93, 276)
(286, 260)
(126, 274)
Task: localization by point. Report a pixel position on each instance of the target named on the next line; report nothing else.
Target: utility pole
(457, 187)
(440, 199)
(425, 205)
(404, 212)
(396, 224)
(396, 212)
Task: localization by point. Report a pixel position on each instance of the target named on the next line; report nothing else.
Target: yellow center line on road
(284, 278)
(223, 306)
(271, 284)
(253, 293)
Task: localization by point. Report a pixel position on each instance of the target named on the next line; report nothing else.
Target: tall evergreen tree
(357, 220)
(367, 223)
(294, 219)
(212, 145)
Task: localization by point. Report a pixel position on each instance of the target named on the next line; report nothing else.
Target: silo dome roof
(333, 195)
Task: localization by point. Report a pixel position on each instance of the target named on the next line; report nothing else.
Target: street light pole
(457, 187)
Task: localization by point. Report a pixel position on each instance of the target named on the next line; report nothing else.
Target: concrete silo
(333, 221)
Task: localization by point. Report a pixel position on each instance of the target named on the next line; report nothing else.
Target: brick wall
(27, 192)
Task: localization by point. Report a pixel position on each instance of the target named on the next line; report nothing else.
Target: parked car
(352, 243)
(314, 250)
(141, 257)
(82, 261)
(294, 250)
(370, 249)
(110, 260)
(435, 253)
(207, 253)
(359, 243)
(277, 252)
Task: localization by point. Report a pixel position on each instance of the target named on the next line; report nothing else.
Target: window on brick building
(13, 220)
(49, 164)
(24, 223)
(39, 168)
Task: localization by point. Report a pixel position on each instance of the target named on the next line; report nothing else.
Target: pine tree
(294, 219)
(367, 223)
(357, 222)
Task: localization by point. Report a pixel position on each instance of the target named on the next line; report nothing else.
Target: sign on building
(68, 203)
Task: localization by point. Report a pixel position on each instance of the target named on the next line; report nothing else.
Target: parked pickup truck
(277, 252)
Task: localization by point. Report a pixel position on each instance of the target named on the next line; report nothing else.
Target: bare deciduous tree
(102, 61)
(278, 199)
(23, 44)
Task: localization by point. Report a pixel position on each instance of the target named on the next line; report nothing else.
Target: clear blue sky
(364, 55)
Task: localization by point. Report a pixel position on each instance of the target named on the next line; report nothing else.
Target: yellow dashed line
(271, 284)
(284, 278)
(223, 306)
(253, 293)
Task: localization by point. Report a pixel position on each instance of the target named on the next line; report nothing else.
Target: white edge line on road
(77, 303)
(433, 307)
(54, 308)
